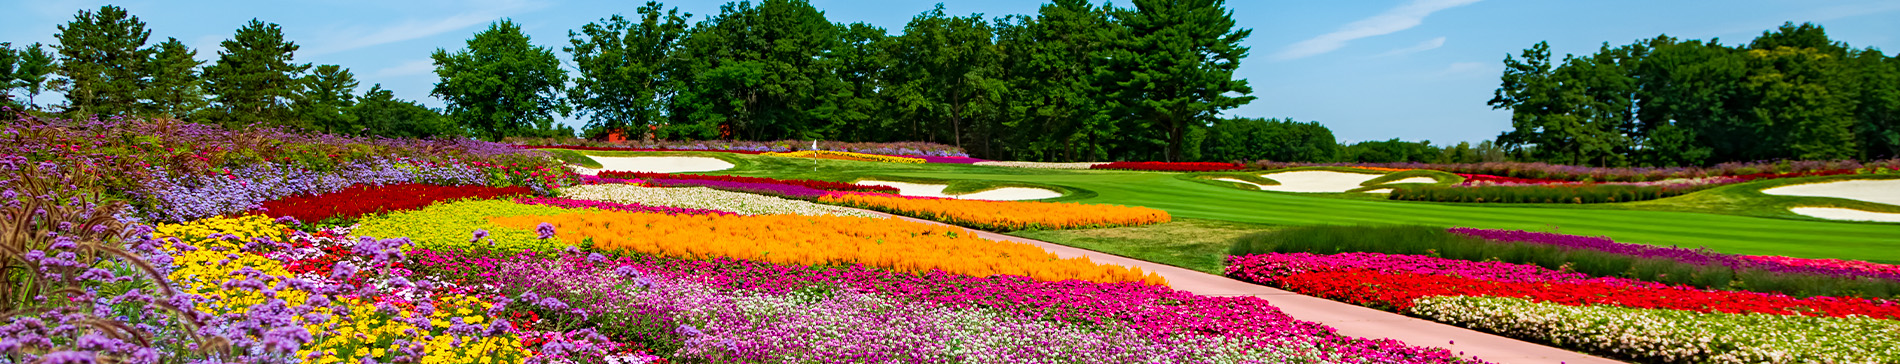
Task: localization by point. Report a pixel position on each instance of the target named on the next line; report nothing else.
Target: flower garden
(263, 246)
(219, 245)
(1596, 295)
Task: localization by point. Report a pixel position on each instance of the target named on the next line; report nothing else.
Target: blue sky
(1370, 70)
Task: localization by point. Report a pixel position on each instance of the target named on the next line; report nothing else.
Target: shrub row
(1553, 193)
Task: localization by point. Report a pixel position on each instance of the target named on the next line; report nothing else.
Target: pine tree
(1177, 68)
(102, 55)
(8, 59)
(176, 89)
(255, 80)
(326, 94)
(31, 73)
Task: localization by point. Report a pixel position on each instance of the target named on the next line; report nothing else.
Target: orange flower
(820, 240)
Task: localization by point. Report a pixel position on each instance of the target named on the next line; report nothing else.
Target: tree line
(105, 66)
(1791, 93)
(1074, 81)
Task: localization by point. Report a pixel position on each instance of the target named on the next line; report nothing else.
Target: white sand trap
(1414, 180)
(656, 164)
(999, 194)
(1832, 213)
(1316, 181)
(1382, 190)
(1885, 191)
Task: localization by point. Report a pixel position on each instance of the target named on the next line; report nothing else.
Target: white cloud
(1462, 68)
(412, 67)
(359, 37)
(1391, 21)
(1434, 43)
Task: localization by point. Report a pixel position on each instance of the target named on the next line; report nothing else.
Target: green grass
(1195, 244)
(1728, 224)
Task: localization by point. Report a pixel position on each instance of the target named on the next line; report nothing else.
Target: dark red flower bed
(1171, 166)
(819, 185)
(1398, 290)
(358, 200)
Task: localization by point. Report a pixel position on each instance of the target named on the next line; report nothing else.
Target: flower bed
(810, 240)
(1555, 306)
(1042, 165)
(359, 200)
(1676, 336)
(172, 171)
(734, 310)
(1171, 166)
(614, 206)
(704, 198)
(1002, 215)
(813, 184)
(848, 156)
(1542, 193)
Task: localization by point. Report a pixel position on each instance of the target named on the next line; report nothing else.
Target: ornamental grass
(1003, 215)
(820, 240)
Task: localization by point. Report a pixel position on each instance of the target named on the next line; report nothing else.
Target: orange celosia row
(817, 240)
(1003, 215)
(849, 156)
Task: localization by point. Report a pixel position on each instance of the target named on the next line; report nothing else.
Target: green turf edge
(1195, 244)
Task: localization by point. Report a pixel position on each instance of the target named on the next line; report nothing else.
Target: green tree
(625, 80)
(326, 94)
(1578, 112)
(176, 89)
(1057, 109)
(1802, 109)
(9, 59)
(1879, 112)
(950, 68)
(759, 71)
(858, 110)
(255, 80)
(102, 56)
(502, 85)
(1283, 140)
(380, 113)
(1176, 70)
(31, 73)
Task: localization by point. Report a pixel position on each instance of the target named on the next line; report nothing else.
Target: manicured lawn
(1188, 243)
(1661, 223)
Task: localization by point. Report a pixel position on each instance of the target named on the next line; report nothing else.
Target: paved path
(1350, 319)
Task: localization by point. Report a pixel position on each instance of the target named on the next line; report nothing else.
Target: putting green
(1201, 200)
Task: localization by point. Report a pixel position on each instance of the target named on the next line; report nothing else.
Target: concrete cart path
(1350, 319)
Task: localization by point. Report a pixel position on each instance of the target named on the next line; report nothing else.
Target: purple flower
(479, 234)
(68, 357)
(545, 229)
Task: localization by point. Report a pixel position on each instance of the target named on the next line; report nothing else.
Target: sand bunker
(655, 164)
(1316, 181)
(1885, 191)
(1832, 213)
(999, 194)
(1323, 181)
